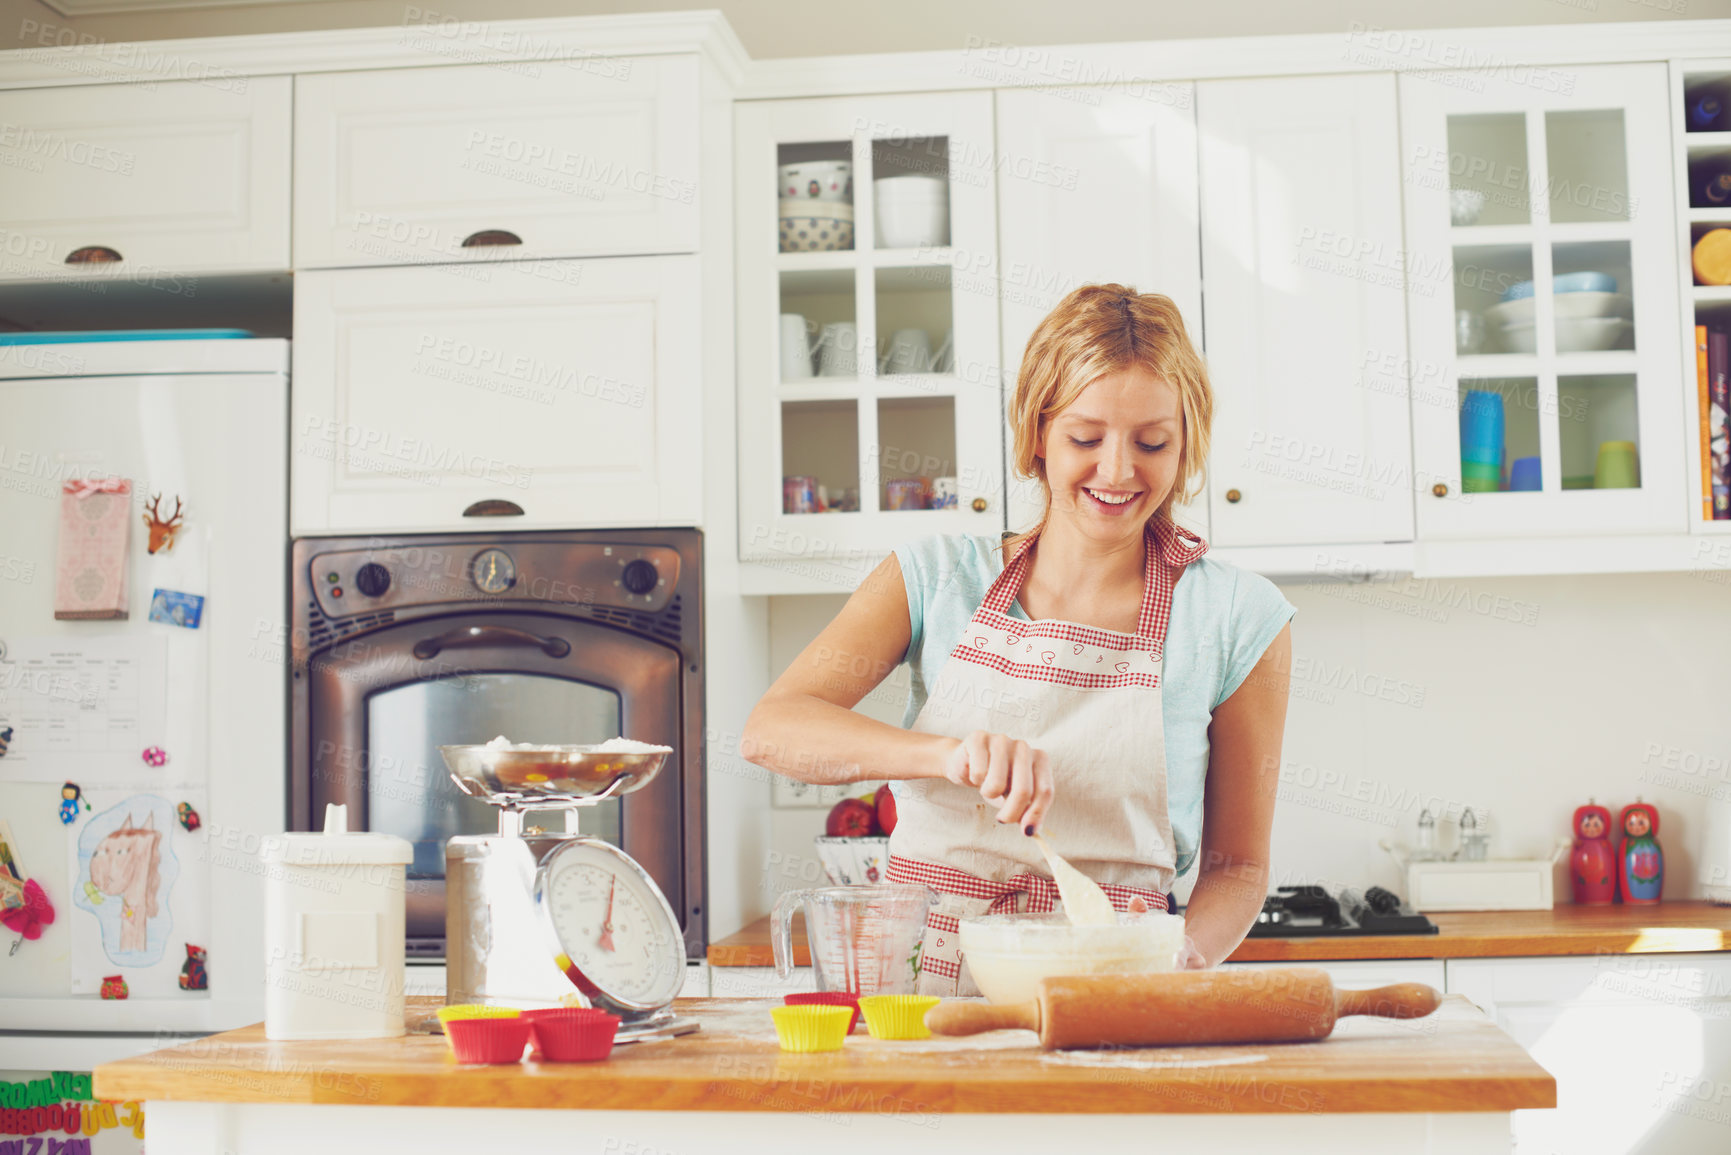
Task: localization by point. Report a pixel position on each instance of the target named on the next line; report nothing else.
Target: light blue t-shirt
(1223, 620)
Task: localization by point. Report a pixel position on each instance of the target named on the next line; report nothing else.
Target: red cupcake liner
(827, 999)
(487, 1040)
(577, 1035)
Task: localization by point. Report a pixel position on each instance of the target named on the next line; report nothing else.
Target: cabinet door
(442, 397)
(1095, 185)
(586, 157)
(1301, 262)
(1640, 1046)
(140, 182)
(882, 413)
(1544, 313)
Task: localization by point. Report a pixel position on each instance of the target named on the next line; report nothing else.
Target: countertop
(1454, 1061)
(1669, 927)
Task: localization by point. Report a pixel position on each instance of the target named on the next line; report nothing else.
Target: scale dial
(616, 935)
(493, 571)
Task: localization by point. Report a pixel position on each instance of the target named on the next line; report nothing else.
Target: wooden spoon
(1084, 901)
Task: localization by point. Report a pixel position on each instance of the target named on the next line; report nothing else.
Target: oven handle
(428, 648)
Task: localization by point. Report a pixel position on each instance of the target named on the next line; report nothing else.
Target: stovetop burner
(1305, 911)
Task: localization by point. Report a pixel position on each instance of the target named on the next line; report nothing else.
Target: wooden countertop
(1455, 1060)
(1668, 928)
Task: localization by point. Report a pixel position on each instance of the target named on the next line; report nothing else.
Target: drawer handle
(1233, 497)
(487, 237)
(92, 255)
(493, 507)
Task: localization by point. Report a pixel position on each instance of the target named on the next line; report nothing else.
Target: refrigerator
(142, 703)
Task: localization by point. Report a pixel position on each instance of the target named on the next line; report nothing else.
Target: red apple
(886, 808)
(850, 818)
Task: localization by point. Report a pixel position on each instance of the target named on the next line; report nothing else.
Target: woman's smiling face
(1112, 456)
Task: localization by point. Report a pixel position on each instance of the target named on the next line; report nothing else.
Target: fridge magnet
(1593, 862)
(5, 740)
(125, 854)
(30, 917)
(154, 756)
(162, 530)
(71, 798)
(11, 874)
(91, 556)
(1640, 861)
(173, 608)
(193, 976)
(189, 820)
(114, 986)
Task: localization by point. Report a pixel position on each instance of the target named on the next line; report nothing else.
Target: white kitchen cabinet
(1096, 185)
(1557, 176)
(518, 394)
(592, 156)
(873, 434)
(1640, 1046)
(147, 184)
(1300, 194)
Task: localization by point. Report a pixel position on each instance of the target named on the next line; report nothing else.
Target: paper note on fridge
(82, 708)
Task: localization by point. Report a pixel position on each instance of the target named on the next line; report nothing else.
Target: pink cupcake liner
(487, 1040)
(576, 1035)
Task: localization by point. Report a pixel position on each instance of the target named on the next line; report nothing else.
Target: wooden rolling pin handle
(953, 1017)
(1396, 1001)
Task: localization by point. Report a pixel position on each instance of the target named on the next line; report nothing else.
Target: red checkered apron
(1088, 697)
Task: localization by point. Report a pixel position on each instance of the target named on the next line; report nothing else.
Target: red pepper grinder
(1593, 862)
(1641, 862)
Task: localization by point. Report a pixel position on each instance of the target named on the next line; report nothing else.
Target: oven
(402, 644)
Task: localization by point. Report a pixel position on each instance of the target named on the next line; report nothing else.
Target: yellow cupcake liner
(897, 1016)
(476, 1011)
(811, 1028)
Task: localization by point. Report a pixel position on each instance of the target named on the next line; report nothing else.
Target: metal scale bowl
(538, 919)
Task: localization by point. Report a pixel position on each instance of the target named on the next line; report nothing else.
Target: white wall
(1521, 696)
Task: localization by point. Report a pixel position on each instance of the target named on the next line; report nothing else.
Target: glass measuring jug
(865, 940)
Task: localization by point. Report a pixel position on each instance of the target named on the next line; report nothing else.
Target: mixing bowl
(1008, 954)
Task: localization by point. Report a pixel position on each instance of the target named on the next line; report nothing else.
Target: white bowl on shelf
(912, 211)
(1571, 305)
(1574, 335)
(815, 226)
(830, 181)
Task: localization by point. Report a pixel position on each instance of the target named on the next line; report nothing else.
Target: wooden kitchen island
(1444, 1084)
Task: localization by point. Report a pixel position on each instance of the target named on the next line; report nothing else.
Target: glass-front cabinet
(869, 386)
(1542, 302)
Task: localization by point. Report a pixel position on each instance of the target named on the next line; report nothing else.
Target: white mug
(838, 350)
(795, 348)
(910, 351)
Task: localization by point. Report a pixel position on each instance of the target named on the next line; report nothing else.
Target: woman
(1096, 679)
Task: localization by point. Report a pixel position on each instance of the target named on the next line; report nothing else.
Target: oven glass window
(409, 792)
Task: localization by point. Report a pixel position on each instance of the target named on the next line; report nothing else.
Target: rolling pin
(1180, 1008)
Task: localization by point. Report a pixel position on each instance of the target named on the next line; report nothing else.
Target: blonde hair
(1094, 331)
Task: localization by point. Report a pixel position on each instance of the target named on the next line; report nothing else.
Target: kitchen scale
(541, 919)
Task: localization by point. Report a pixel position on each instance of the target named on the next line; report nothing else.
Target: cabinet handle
(979, 504)
(1233, 497)
(488, 237)
(494, 507)
(1440, 489)
(92, 255)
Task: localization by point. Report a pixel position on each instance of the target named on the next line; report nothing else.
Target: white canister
(334, 933)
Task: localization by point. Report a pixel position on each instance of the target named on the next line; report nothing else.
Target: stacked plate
(1590, 314)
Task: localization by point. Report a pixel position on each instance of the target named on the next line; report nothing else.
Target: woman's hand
(1009, 773)
(1189, 958)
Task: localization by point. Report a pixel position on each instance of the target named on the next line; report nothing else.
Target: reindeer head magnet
(162, 530)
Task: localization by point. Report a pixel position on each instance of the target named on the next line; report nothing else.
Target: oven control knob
(372, 579)
(639, 577)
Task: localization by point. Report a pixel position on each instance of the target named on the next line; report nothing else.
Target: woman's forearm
(816, 741)
(1223, 906)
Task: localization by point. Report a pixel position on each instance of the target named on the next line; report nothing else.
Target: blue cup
(1524, 475)
(1482, 425)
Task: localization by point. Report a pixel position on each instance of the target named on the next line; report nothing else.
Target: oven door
(382, 704)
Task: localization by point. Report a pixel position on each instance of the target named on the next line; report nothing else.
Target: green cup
(1617, 467)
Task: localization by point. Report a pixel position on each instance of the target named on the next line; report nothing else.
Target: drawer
(161, 179)
(554, 158)
(513, 395)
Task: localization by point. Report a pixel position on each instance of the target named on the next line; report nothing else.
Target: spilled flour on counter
(1133, 1060)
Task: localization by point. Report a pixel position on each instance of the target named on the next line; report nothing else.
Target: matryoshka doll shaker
(1593, 862)
(1641, 864)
